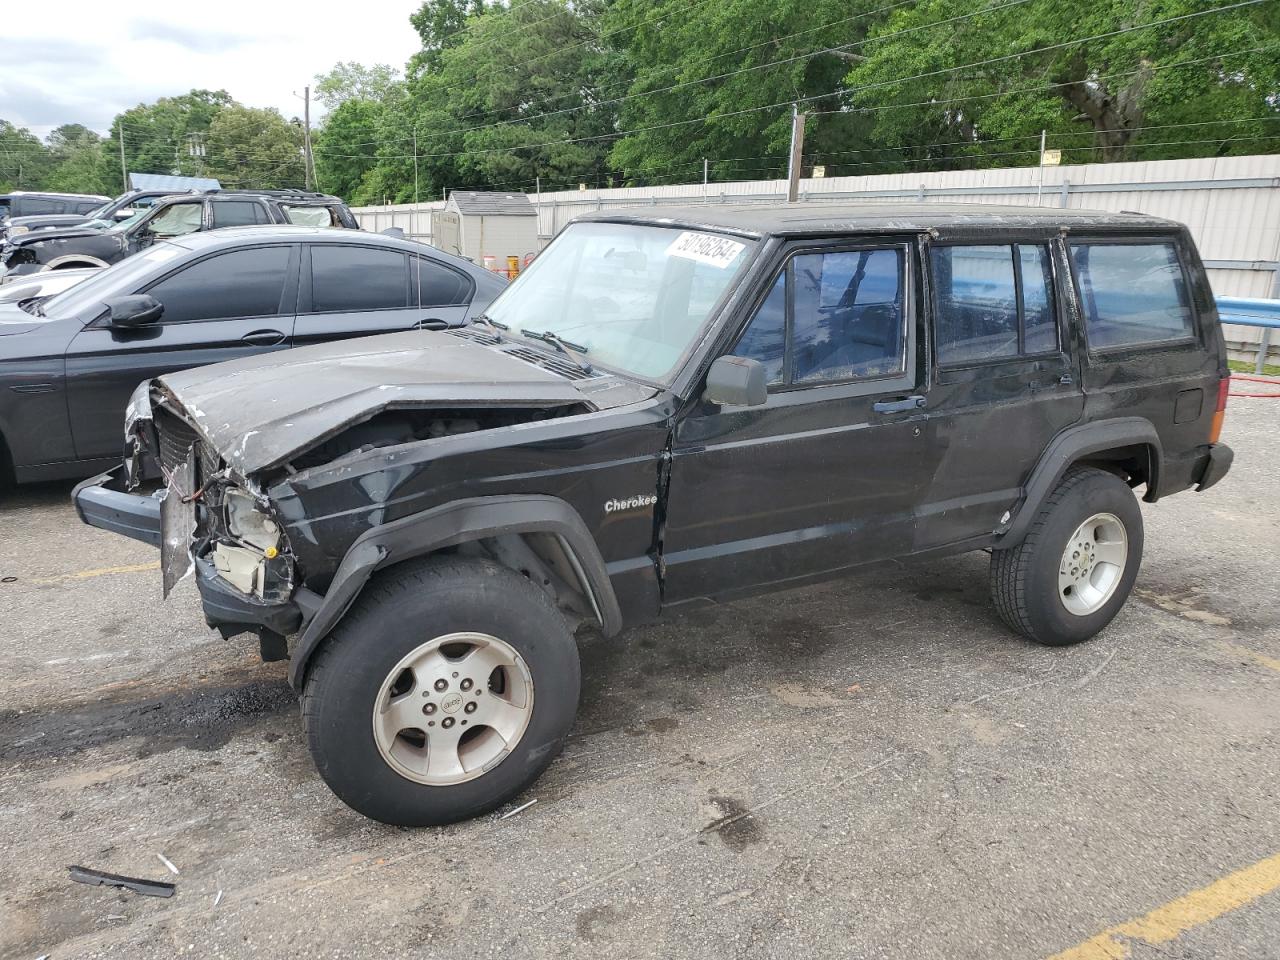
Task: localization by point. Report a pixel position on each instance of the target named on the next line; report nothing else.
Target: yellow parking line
(101, 572)
(1177, 917)
(1259, 658)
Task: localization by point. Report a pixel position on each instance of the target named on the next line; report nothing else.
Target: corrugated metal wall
(1231, 204)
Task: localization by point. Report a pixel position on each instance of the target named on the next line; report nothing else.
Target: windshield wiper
(486, 319)
(570, 350)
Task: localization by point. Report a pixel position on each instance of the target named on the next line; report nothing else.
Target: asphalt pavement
(874, 767)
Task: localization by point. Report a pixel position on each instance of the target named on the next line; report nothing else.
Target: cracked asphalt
(869, 768)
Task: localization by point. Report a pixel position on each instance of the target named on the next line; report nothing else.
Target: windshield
(115, 280)
(632, 297)
(101, 211)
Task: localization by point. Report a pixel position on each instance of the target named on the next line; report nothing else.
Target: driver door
(827, 472)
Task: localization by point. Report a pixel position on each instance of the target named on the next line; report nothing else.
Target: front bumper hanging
(104, 502)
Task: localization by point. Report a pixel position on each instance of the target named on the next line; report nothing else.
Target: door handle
(431, 323)
(263, 338)
(901, 405)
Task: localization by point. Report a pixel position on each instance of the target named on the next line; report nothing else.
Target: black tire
(1024, 578)
(400, 609)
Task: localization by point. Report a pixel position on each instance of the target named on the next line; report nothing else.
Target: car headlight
(18, 231)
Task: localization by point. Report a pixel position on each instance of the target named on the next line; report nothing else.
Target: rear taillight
(1215, 429)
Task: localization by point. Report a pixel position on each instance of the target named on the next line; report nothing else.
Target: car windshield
(101, 211)
(115, 280)
(630, 297)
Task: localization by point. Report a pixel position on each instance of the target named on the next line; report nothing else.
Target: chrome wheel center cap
(452, 703)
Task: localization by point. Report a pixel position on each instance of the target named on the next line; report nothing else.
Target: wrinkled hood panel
(62, 233)
(260, 411)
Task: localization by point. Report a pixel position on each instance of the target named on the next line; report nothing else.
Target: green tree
(80, 163)
(703, 73)
(987, 82)
(163, 137)
(24, 160)
(252, 148)
(354, 81)
(441, 24)
(346, 150)
(512, 99)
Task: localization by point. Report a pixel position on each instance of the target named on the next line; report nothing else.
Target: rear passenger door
(1004, 379)
(1151, 349)
(353, 290)
(827, 473)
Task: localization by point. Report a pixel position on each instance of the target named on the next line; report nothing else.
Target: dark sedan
(69, 363)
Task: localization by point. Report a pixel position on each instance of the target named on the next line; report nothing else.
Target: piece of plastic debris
(218, 899)
(523, 806)
(115, 916)
(168, 863)
(147, 888)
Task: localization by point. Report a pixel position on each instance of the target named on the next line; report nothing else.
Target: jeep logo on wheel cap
(452, 703)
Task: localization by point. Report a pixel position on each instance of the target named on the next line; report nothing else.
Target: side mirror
(134, 311)
(736, 381)
(124, 213)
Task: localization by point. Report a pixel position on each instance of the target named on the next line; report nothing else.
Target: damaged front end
(214, 524)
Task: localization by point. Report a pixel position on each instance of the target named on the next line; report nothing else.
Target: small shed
(478, 224)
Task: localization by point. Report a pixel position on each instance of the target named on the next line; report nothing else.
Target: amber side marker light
(1215, 429)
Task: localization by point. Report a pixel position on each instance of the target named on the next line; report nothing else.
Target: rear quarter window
(1132, 294)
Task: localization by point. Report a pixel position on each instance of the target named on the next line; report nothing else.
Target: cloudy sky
(84, 62)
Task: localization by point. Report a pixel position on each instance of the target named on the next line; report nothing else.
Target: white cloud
(94, 59)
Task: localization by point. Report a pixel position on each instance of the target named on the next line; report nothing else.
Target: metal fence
(1230, 204)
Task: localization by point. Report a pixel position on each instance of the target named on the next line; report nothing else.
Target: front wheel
(1074, 570)
(445, 691)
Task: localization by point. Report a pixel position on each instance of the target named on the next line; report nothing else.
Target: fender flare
(79, 259)
(1069, 446)
(447, 526)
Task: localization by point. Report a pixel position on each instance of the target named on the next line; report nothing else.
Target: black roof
(482, 203)
(230, 237)
(816, 217)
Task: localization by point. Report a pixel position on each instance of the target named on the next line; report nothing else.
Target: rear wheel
(1074, 570)
(445, 691)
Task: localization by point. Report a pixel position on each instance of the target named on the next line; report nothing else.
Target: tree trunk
(1115, 116)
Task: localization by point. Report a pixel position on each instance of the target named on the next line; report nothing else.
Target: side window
(243, 283)
(765, 338)
(237, 213)
(356, 278)
(1131, 293)
(438, 286)
(176, 221)
(308, 216)
(830, 317)
(992, 302)
(41, 205)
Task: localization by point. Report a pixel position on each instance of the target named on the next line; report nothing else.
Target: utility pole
(415, 165)
(797, 151)
(309, 162)
(124, 170)
(705, 170)
(1040, 185)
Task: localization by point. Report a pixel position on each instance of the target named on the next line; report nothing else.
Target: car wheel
(446, 690)
(1074, 570)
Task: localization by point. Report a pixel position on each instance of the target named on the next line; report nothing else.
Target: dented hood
(260, 411)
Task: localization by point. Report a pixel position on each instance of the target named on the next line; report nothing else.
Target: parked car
(68, 363)
(668, 409)
(25, 203)
(100, 217)
(44, 284)
(174, 216)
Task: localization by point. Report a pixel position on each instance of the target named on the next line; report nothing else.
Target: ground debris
(147, 888)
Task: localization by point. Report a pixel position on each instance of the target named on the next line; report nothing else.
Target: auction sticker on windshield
(705, 248)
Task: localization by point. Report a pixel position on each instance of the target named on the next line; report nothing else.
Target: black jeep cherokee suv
(670, 409)
(175, 216)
